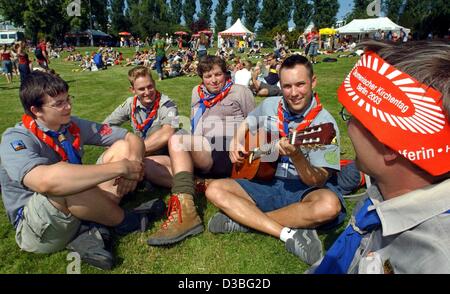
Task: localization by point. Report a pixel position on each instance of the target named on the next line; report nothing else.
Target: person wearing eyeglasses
(397, 105)
(52, 199)
(269, 86)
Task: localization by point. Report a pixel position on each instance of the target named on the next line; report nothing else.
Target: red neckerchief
(216, 99)
(30, 124)
(305, 122)
(150, 116)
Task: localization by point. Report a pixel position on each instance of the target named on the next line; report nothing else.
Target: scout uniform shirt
(266, 115)
(414, 236)
(223, 118)
(166, 114)
(21, 151)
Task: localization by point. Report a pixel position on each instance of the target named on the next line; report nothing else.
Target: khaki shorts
(43, 228)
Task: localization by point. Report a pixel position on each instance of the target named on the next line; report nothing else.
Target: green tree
(270, 15)
(416, 11)
(118, 19)
(437, 21)
(302, 14)
(392, 8)
(359, 10)
(325, 13)
(251, 10)
(205, 10)
(237, 10)
(189, 9)
(39, 17)
(221, 16)
(177, 10)
(13, 10)
(49, 20)
(285, 8)
(100, 14)
(150, 17)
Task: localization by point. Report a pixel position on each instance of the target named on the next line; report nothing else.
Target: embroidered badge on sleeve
(105, 130)
(18, 145)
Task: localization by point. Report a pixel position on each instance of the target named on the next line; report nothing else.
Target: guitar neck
(310, 137)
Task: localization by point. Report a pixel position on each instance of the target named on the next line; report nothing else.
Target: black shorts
(222, 165)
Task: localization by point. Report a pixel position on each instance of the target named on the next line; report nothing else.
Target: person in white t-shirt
(244, 76)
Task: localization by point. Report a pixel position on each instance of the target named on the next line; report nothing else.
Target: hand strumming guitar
(237, 151)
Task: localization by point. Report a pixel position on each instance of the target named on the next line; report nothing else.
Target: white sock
(287, 233)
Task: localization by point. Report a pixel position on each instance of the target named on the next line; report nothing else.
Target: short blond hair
(138, 72)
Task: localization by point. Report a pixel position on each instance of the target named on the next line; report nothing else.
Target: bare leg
(116, 152)
(188, 151)
(158, 170)
(263, 93)
(229, 196)
(317, 208)
(91, 205)
(99, 204)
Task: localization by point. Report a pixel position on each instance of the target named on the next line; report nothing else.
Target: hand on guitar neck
(285, 148)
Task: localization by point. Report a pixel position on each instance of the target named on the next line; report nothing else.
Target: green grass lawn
(96, 95)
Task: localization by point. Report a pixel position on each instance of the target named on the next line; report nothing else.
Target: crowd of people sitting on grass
(400, 226)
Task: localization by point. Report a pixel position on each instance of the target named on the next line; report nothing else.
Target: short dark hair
(207, 63)
(36, 86)
(295, 60)
(427, 62)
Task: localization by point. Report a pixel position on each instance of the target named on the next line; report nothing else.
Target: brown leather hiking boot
(182, 221)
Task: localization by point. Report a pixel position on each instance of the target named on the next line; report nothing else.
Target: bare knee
(175, 142)
(215, 191)
(327, 207)
(263, 92)
(118, 151)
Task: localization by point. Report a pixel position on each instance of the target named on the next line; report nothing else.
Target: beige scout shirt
(166, 114)
(224, 118)
(414, 236)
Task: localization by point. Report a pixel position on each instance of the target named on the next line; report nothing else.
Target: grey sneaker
(306, 245)
(94, 247)
(220, 223)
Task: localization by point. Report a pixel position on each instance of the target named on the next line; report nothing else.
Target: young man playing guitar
(299, 196)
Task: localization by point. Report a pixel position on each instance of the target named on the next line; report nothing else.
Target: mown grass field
(96, 95)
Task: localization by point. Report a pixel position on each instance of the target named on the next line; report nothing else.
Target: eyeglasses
(61, 104)
(345, 115)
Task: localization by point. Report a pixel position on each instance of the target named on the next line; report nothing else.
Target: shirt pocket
(229, 108)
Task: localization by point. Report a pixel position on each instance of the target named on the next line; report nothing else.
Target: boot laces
(173, 209)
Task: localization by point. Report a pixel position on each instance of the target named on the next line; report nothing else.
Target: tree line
(146, 17)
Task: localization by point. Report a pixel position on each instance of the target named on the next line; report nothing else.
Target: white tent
(238, 29)
(370, 25)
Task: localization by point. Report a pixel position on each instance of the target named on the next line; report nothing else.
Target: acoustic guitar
(259, 163)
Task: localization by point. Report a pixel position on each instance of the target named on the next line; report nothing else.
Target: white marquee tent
(370, 25)
(237, 29)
